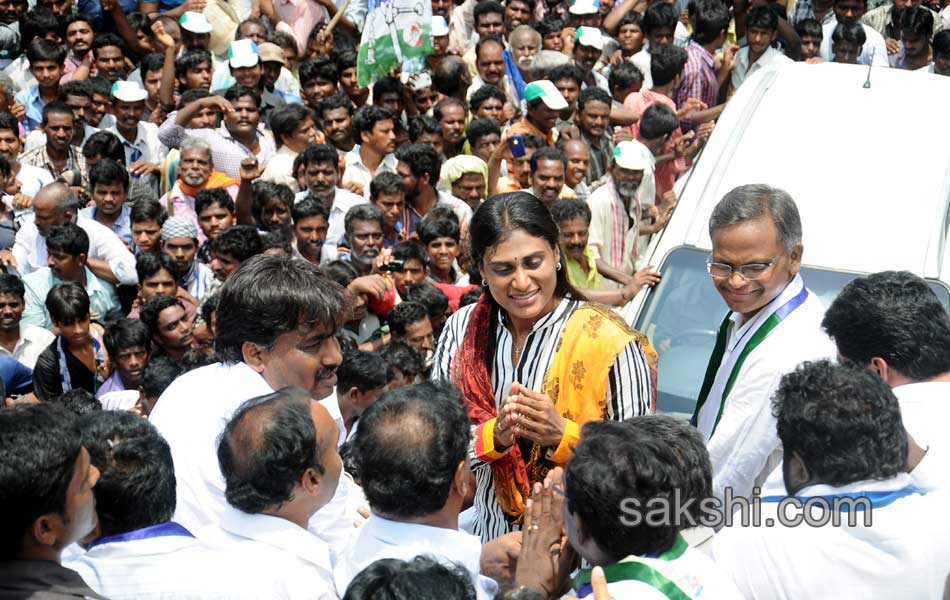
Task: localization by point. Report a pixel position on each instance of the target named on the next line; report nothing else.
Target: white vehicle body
(868, 167)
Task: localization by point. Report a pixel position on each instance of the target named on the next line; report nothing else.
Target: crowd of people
(266, 333)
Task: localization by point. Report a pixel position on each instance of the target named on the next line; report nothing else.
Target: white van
(866, 156)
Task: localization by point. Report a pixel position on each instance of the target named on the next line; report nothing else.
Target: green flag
(397, 34)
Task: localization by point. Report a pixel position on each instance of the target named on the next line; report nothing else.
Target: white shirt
(382, 538)
(332, 404)
(343, 201)
(742, 69)
(694, 573)
(280, 168)
(146, 143)
(168, 566)
(29, 249)
(745, 447)
(356, 172)
(925, 407)
(903, 555)
(33, 340)
(32, 179)
(296, 562)
(874, 44)
(192, 428)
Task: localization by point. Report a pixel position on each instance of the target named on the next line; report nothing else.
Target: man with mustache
(615, 212)
(588, 45)
(336, 113)
(374, 128)
(320, 174)
(236, 139)
(180, 242)
(491, 68)
(196, 172)
(364, 233)
(19, 340)
(525, 43)
(544, 105)
(593, 118)
(276, 326)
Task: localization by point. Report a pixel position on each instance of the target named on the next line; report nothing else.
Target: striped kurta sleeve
(628, 392)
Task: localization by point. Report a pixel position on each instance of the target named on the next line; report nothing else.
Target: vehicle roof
(868, 168)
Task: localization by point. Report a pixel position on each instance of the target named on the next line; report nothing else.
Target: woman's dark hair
(409, 445)
(842, 421)
(272, 295)
(124, 334)
(40, 446)
(265, 449)
(67, 303)
(136, 486)
(422, 578)
(503, 214)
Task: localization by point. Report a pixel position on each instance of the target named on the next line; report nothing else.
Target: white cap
(195, 22)
(439, 26)
(585, 7)
(589, 36)
(128, 91)
(546, 91)
(243, 53)
(631, 155)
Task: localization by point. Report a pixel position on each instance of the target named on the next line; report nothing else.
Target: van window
(683, 313)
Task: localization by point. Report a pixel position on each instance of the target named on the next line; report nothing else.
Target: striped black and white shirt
(628, 393)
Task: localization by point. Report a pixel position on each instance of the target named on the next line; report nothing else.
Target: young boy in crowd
(810, 33)
(215, 210)
(231, 248)
(441, 240)
(47, 61)
(158, 374)
(551, 28)
(273, 203)
(761, 33)
(415, 266)
(404, 364)
(388, 193)
(847, 40)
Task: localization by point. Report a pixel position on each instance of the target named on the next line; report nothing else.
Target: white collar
(740, 332)
(899, 482)
(278, 533)
(453, 544)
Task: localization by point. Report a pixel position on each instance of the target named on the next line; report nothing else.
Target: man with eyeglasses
(773, 325)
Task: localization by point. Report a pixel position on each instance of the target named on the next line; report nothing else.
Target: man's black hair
(74, 88)
(319, 153)
(69, 238)
(238, 91)
(410, 251)
(892, 315)
(67, 303)
(136, 487)
(270, 296)
(658, 120)
(661, 15)
(158, 374)
(105, 40)
(842, 421)
(431, 428)
(567, 72)
(147, 265)
(56, 108)
(108, 171)
(124, 334)
(207, 197)
(432, 229)
(41, 49)
(361, 212)
(240, 242)
(479, 128)
(365, 371)
(153, 61)
(434, 299)
(317, 68)
(78, 401)
(421, 159)
(153, 307)
(809, 27)
(567, 209)
(486, 7)
(762, 17)
(265, 449)
(386, 182)
(666, 62)
(387, 85)
(310, 207)
(37, 23)
(191, 59)
(940, 44)
(440, 106)
(547, 153)
(850, 33)
(335, 101)
(41, 444)
(367, 117)
(917, 20)
(612, 465)
(484, 93)
(285, 119)
(551, 23)
(400, 355)
(11, 284)
(147, 209)
(471, 296)
(405, 314)
(624, 76)
(342, 272)
(422, 578)
(104, 144)
(449, 75)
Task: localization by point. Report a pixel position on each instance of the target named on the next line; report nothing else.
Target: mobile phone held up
(516, 142)
(395, 266)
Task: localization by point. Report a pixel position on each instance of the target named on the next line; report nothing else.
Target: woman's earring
(558, 266)
(484, 282)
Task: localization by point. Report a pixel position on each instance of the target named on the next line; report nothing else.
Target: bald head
(53, 205)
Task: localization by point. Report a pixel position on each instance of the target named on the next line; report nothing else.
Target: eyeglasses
(749, 272)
